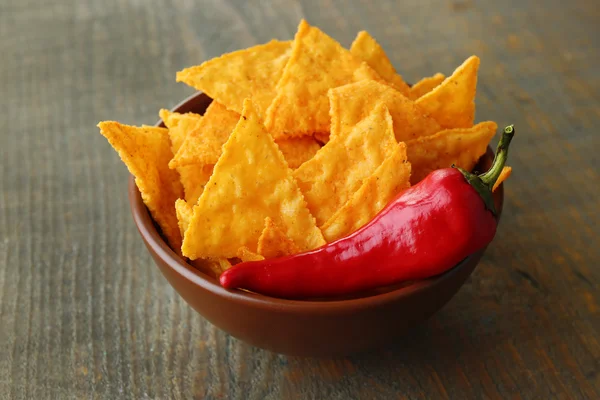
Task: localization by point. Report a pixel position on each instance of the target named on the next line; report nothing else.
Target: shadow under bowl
(309, 327)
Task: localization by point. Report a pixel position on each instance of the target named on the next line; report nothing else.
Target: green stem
(491, 176)
(484, 183)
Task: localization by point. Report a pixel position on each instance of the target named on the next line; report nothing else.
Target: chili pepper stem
(491, 176)
(484, 183)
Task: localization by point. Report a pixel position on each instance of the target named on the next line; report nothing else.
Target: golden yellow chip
(213, 267)
(273, 242)
(146, 151)
(366, 48)
(184, 213)
(298, 150)
(193, 177)
(322, 137)
(452, 103)
(251, 181)
(506, 171)
(425, 86)
(203, 144)
(461, 147)
(245, 254)
(317, 63)
(339, 168)
(179, 126)
(389, 179)
(248, 73)
(352, 103)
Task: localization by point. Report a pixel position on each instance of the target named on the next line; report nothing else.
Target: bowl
(302, 328)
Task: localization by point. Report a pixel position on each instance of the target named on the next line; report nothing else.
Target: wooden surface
(84, 312)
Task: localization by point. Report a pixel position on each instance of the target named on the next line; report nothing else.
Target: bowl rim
(154, 240)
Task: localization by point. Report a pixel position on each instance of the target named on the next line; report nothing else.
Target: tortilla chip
(298, 150)
(184, 213)
(462, 147)
(330, 178)
(203, 144)
(366, 48)
(248, 73)
(322, 137)
(251, 181)
(273, 242)
(352, 103)
(452, 103)
(179, 126)
(506, 171)
(317, 63)
(245, 254)
(193, 177)
(425, 86)
(146, 151)
(389, 179)
(212, 267)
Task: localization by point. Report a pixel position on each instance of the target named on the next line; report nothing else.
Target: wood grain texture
(84, 313)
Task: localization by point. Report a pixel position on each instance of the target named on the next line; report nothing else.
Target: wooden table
(86, 314)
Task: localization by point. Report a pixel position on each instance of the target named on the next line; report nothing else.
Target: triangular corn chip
(273, 242)
(339, 168)
(317, 63)
(298, 150)
(352, 103)
(251, 181)
(245, 254)
(146, 151)
(203, 144)
(389, 179)
(425, 86)
(248, 73)
(179, 126)
(452, 103)
(506, 171)
(462, 147)
(322, 137)
(213, 267)
(366, 48)
(193, 177)
(184, 214)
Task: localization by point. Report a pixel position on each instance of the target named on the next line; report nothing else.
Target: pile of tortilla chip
(303, 144)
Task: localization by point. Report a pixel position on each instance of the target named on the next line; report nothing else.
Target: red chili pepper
(424, 231)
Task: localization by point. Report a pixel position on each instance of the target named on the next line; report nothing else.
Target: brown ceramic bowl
(305, 328)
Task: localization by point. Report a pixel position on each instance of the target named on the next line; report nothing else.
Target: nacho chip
(366, 48)
(461, 147)
(212, 267)
(179, 126)
(251, 181)
(506, 171)
(338, 169)
(452, 103)
(425, 86)
(389, 179)
(322, 137)
(146, 151)
(273, 242)
(248, 73)
(298, 150)
(245, 254)
(317, 63)
(352, 103)
(193, 177)
(184, 213)
(203, 144)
